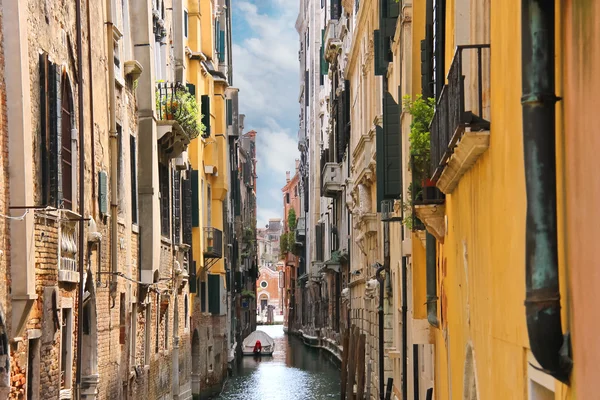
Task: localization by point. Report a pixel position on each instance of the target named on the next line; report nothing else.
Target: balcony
(332, 39)
(459, 131)
(213, 244)
(178, 118)
(332, 180)
(68, 270)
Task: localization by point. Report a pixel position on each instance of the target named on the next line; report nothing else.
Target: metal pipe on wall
(431, 272)
(113, 150)
(381, 279)
(81, 195)
(550, 348)
(404, 330)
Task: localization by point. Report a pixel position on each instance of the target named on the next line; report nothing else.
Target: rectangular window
(120, 169)
(176, 207)
(208, 206)
(185, 23)
(134, 188)
(33, 370)
(133, 335)
(148, 334)
(166, 325)
(66, 359)
(122, 320)
(157, 326)
(163, 177)
(203, 296)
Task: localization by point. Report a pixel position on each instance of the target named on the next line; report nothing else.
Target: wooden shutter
(133, 167)
(176, 191)
(221, 46)
(187, 210)
(103, 192)
(347, 123)
(319, 242)
(229, 104)
(214, 294)
(306, 89)
(165, 218)
(191, 88)
(336, 9)
(195, 199)
(44, 116)
(389, 154)
(378, 56)
(54, 135)
(380, 169)
(205, 111)
(324, 63)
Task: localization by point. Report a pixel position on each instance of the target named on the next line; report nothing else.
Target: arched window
(66, 167)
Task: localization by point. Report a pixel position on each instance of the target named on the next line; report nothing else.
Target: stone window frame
(66, 326)
(266, 284)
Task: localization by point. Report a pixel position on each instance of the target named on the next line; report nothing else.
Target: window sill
(165, 240)
(135, 228)
(65, 394)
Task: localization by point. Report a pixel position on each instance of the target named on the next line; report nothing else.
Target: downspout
(404, 331)
(381, 279)
(92, 120)
(81, 196)
(550, 348)
(431, 274)
(113, 153)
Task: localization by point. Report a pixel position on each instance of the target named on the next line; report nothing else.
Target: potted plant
(175, 103)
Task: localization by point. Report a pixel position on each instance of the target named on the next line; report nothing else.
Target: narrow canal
(295, 372)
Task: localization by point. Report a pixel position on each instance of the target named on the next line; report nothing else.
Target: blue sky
(265, 69)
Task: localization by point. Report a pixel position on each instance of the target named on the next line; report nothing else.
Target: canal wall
(322, 343)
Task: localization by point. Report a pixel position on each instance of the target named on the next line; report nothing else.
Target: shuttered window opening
(186, 188)
(163, 178)
(66, 144)
(214, 294)
(389, 153)
(133, 169)
(205, 111)
(195, 199)
(176, 206)
(51, 131)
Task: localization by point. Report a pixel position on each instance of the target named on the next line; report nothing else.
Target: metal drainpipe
(431, 280)
(550, 348)
(404, 331)
(381, 279)
(113, 153)
(81, 197)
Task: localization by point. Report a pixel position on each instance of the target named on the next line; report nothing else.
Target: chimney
(297, 165)
(287, 176)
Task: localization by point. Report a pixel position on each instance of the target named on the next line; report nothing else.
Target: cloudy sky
(265, 69)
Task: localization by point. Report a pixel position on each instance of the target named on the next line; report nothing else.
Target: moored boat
(258, 343)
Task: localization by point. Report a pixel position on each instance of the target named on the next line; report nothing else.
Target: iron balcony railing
(452, 114)
(213, 243)
(175, 103)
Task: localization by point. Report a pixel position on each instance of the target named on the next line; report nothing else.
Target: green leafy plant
(248, 293)
(181, 106)
(292, 221)
(422, 111)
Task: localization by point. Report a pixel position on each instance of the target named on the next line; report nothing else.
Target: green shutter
(214, 294)
(195, 199)
(191, 88)
(378, 53)
(54, 134)
(221, 46)
(229, 104)
(393, 148)
(103, 192)
(380, 163)
(205, 111)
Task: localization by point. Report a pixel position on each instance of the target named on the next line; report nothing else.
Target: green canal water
(294, 372)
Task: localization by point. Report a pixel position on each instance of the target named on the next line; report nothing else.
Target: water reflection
(294, 372)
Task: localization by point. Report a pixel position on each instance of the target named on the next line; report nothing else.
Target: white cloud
(266, 70)
(264, 214)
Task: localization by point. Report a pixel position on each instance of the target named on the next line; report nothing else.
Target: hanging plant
(174, 102)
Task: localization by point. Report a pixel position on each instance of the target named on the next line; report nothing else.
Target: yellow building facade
(481, 341)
